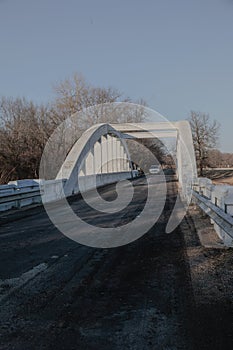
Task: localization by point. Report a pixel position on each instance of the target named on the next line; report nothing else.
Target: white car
(155, 169)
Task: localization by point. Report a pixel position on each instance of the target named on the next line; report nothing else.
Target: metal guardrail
(19, 196)
(223, 220)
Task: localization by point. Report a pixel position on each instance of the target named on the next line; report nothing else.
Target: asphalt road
(57, 294)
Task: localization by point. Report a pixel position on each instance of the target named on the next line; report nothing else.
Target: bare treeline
(24, 129)
(205, 134)
(206, 138)
(217, 159)
(25, 126)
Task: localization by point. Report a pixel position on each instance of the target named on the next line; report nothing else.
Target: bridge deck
(138, 296)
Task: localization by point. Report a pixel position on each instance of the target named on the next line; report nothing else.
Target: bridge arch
(100, 150)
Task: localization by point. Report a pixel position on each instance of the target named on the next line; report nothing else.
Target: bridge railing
(217, 202)
(21, 193)
(18, 194)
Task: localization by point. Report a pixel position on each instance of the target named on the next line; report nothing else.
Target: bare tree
(75, 94)
(217, 159)
(25, 127)
(24, 130)
(205, 136)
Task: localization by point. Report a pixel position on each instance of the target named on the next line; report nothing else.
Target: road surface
(57, 294)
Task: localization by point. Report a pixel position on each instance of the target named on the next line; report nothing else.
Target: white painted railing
(18, 194)
(217, 202)
(21, 193)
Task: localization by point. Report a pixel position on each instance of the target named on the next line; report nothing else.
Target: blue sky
(176, 54)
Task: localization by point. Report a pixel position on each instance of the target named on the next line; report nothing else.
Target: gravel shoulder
(211, 272)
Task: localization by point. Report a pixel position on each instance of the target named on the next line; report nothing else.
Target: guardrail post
(205, 187)
(222, 197)
(18, 201)
(195, 185)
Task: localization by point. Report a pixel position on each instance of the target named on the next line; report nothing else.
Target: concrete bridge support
(186, 160)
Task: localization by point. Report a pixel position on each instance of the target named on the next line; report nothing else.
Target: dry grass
(227, 181)
(220, 176)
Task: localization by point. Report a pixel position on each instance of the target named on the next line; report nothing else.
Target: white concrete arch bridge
(101, 156)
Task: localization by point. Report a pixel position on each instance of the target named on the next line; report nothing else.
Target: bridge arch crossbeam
(181, 131)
